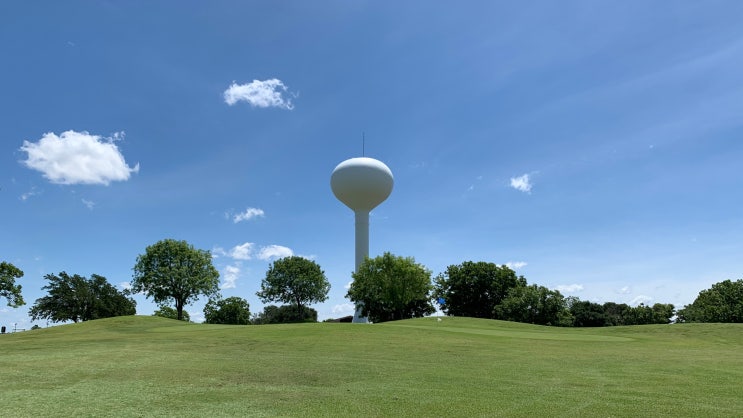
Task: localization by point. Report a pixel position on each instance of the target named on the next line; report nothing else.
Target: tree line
(388, 287)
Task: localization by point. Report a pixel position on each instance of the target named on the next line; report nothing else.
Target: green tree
(587, 314)
(474, 289)
(8, 289)
(723, 302)
(284, 314)
(75, 298)
(294, 280)
(390, 287)
(232, 310)
(175, 272)
(534, 305)
(170, 313)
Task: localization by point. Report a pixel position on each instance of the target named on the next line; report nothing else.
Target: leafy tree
(616, 314)
(8, 289)
(233, 310)
(75, 298)
(175, 272)
(474, 289)
(588, 314)
(662, 313)
(170, 313)
(390, 287)
(723, 302)
(284, 314)
(534, 305)
(294, 280)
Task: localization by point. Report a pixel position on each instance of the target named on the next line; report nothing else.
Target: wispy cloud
(28, 194)
(266, 93)
(626, 290)
(569, 288)
(522, 183)
(640, 299)
(88, 203)
(78, 158)
(274, 251)
(249, 214)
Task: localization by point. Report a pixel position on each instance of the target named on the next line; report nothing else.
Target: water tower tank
(361, 184)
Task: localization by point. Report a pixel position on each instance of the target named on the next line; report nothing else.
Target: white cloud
(274, 251)
(266, 93)
(521, 183)
(125, 285)
(230, 274)
(242, 251)
(78, 158)
(569, 288)
(249, 214)
(348, 285)
(28, 194)
(344, 309)
(515, 265)
(640, 299)
(89, 203)
(626, 290)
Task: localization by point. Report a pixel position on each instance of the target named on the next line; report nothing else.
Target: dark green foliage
(232, 310)
(170, 313)
(534, 305)
(285, 314)
(588, 314)
(75, 298)
(474, 289)
(175, 272)
(390, 287)
(295, 280)
(8, 289)
(723, 302)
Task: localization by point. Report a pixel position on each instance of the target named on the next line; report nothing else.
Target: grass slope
(148, 366)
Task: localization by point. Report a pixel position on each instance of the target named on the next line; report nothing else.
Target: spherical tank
(361, 183)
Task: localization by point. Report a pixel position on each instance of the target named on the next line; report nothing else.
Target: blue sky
(594, 146)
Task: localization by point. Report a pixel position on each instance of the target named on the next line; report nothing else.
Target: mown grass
(147, 366)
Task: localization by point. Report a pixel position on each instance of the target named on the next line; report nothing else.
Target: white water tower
(361, 184)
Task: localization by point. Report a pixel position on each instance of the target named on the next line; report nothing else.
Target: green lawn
(148, 366)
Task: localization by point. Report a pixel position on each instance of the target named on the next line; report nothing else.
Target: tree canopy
(8, 288)
(232, 310)
(75, 298)
(285, 314)
(175, 272)
(391, 287)
(723, 302)
(294, 280)
(534, 305)
(474, 289)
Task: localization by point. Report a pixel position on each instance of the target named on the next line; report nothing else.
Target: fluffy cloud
(266, 93)
(274, 251)
(78, 158)
(249, 214)
(242, 251)
(230, 274)
(344, 309)
(569, 288)
(521, 183)
(249, 251)
(515, 265)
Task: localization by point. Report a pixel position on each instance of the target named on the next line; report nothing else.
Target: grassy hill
(148, 366)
